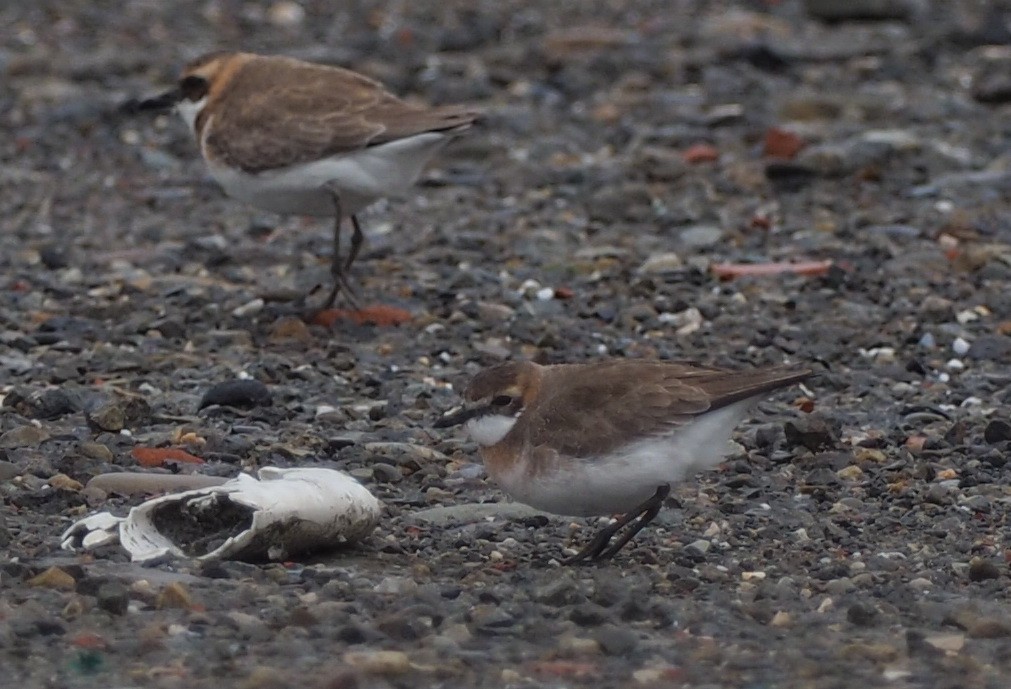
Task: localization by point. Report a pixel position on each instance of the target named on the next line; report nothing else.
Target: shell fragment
(275, 516)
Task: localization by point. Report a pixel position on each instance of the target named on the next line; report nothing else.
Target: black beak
(162, 103)
(458, 417)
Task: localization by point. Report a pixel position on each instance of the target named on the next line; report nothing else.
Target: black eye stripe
(193, 87)
(502, 401)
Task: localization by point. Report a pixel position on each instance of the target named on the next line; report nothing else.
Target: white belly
(361, 177)
(621, 481)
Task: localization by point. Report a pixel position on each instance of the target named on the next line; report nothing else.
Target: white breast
(490, 429)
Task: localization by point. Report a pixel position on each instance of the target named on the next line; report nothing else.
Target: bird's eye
(193, 87)
(501, 401)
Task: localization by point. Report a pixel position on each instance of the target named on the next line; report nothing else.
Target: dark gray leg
(338, 269)
(598, 549)
(357, 238)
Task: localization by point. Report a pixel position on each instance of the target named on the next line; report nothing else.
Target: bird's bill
(161, 103)
(459, 416)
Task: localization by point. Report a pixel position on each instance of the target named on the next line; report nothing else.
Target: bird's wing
(589, 410)
(283, 112)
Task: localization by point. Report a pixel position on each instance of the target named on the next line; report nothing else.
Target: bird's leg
(337, 268)
(357, 238)
(598, 549)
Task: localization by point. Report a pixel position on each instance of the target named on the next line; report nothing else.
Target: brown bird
(295, 137)
(607, 437)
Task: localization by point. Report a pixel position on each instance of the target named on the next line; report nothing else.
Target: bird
(609, 436)
(296, 137)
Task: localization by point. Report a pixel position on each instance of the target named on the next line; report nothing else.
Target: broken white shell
(284, 512)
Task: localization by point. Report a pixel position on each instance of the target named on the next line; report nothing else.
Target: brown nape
(205, 59)
(496, 379)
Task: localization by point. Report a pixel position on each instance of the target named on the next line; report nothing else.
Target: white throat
(490, 429)
(189, 110)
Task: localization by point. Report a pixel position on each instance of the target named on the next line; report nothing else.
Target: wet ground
(634, 154)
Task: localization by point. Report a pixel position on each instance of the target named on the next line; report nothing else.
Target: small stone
(855, 10)
(576, 646)
(810, 432)
(616, 641)
(589, 615)
(982, 570)
(118, 414)
(699, 547)
(960, 346)
(175, 595)
(23, 436)
(701, 236)
(659, 676)
(879, 652)
(921, 584)
(53, 578)
(286, 13)
(850, 473)
(989, 628)
(265, 677)
(781, 619)
(249, 308)
(243, 394)
(74, 608)
(64, 482)
(997, 431)
(113, 597)
(659, 264)
(862, 614)
(396, 586)
(389, 663)
(561, 591)
(949, 643)
(290, 329)
(990, 348)
(94, 450)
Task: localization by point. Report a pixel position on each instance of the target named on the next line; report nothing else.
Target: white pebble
(955, 365)
(249, 308)
(967, 316)
(324, 409)
(960, 346)
(529, 286)
(545, 294)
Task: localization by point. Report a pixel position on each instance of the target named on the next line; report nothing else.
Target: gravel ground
(632, 149)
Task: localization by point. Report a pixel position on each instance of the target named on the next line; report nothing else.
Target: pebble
(113, 597)
(454, 515)
(23, 436)
(137, 483)
(385, 663)
(175, 595)
(119, 414)
(249, 308)
(997, 431)
(241, 393)
(700, 236)
(615, 640)
(658, 264)
(862, 614)
(53, 578)
(982, 570)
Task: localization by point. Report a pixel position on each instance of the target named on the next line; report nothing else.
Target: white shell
(292, 511)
